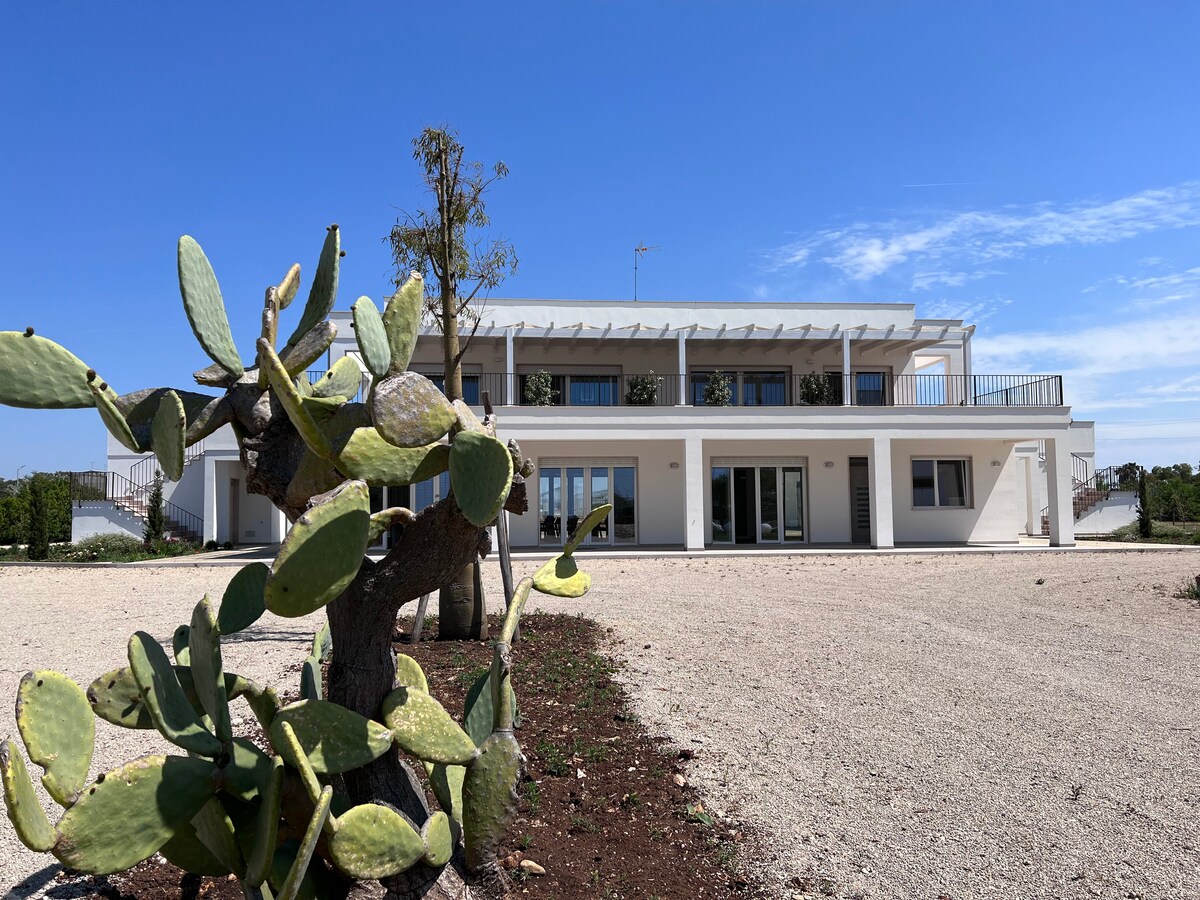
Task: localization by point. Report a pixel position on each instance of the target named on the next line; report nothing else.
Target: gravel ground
(892, 726)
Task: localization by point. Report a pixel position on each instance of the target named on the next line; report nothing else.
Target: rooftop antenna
(638, 251)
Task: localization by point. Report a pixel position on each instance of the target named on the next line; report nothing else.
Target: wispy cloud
(972, 312)
(956, 242)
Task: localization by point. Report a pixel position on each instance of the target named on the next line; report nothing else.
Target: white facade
(892, 439)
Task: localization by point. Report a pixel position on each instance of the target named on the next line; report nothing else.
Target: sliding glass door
(567, 493)
(757, 504)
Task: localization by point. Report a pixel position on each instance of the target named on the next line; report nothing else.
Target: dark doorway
(860, 501)
(745, 504)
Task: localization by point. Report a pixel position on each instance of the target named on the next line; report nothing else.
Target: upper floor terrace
(620, 354)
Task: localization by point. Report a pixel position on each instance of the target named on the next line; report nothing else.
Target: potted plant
(814, 389)
(718, 390)
(643, 390)
(539, 389)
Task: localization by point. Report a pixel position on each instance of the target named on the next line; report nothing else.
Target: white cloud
(867, 250)
(972, 312)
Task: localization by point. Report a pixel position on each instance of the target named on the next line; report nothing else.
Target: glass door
(550, 506)
(757, 504)
(567, 494)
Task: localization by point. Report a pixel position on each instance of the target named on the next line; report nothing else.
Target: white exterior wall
(1119, 510)
(994, 508)
(659, 497)
(103, 517)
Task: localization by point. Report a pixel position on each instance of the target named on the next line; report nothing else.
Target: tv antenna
(638, 252)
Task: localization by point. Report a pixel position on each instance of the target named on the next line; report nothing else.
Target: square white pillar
(210, 498)
(693, 487)
(1060, 493)
(880, 470)
(682, 399)
(846, 392)
(510, 378)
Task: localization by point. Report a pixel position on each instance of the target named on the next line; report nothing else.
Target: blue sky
(1031, 167)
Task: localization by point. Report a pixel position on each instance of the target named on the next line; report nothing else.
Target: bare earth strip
(903, 726)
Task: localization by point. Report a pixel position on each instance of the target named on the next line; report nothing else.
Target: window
(470, 386)
(940, 483)
(569, 489)
(757, 388)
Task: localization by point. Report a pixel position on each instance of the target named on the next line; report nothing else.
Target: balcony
(767, 388)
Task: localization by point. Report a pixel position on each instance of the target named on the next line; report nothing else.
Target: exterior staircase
(133, 495)
(1087, 493)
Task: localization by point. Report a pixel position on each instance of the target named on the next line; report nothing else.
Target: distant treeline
(1173, 493)
(14, 507)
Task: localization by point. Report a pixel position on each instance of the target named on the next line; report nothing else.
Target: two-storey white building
(847, 424)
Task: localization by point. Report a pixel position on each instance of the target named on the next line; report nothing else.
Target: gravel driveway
(891, 726)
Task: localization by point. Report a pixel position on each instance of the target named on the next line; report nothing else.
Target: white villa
(847, 424)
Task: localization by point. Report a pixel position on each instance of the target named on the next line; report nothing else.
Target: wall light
(829, 463)
(995, 463)
(674, 465)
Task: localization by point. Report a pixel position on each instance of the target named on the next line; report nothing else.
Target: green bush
(39, 521)
(155, 524)
(643, 390)
(539, 389)
(718, 390)
(814, 389)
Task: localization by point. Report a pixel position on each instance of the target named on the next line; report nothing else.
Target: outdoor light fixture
(995, 463)
(674, 465)
(829, 463)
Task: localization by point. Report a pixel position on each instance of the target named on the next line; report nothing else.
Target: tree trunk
(461, 610)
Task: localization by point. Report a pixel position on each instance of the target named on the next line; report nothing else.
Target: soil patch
(606, 810)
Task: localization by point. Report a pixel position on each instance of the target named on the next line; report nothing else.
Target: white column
(210, 498)
(683, 393)
(510, 396)
(1060, 493)
(693, 486)
(846, 398)
(880, 470)
(968, 390)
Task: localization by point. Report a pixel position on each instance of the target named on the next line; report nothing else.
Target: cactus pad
(186, 851)
(242, 603)
(127, 814)
(481, 473)
(291, 887)
(402, 319)
(267, 830)
(366, 455)
(204, 306)
(422, 727)
(39, 374)
(114, 421)
(410, 674)
(371, 336)
(447, 784)
(291, 401)
(590, 521)
(373, 841)
(321, 554)
(334, 739)
(311, 347)
(561, 577)
(313, 476)
(285, 291)
(115, 697)
(310, 680)
(173, 714)
(58, 729)
(29, 819)
(323, 292)
(344, 379)
(247, 771)
(409, 410)
(479, 708)
(208, 674)
(438, 834)
(467, 420)
(490, 798)
(168, 434)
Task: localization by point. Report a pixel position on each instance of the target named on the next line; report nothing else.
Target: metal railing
(93, 487)
(145, 471)
(762, 388)
(1087, 492)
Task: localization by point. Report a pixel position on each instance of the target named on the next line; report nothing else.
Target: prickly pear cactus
(292, 818)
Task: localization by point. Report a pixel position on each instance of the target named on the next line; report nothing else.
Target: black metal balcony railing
(763, 389)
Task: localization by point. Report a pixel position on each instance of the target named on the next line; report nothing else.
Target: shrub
(643, 389)
(39, 520)
(154, 514)
(1143, 507)
(539, 389)
(814, 389)
(105, 548)
(719, 390)
(211, 545)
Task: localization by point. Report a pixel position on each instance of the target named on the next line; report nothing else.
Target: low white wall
(103, 517)
(1119, 510)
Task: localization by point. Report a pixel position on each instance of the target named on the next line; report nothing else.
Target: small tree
(814, 389)
(38, 537)
(718, 391)
(539, 389)
(1143, 508)
(155, 523)
(643, 390)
